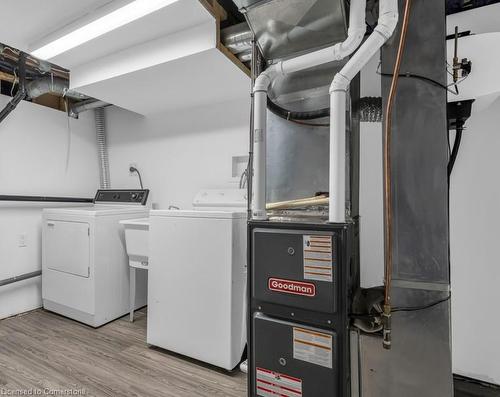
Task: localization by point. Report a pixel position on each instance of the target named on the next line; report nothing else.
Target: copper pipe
(387, 159)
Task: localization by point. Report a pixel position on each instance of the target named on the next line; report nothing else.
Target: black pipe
(12, 104)
(22, 277)
(21, 92)
(46, 199)
(456, 147)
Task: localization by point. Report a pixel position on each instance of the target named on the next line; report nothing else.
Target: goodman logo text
(291, 287)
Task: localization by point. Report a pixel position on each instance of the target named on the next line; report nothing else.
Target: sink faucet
(243, 179)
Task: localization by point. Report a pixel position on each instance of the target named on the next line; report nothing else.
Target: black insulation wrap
(366, 109)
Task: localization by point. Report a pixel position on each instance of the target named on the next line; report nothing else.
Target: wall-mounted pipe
(45, 199)
(22, 277)
(100, 126)
(355, 34)
(387, 22)
(12, 104)
(21, 92)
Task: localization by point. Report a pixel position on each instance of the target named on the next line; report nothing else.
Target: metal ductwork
(86, 105)
(60, 87)
(285, 28)
(52, 85)
(237, 38)
(100, 126)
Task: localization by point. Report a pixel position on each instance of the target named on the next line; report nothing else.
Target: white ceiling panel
(205, 78)
(27, 21)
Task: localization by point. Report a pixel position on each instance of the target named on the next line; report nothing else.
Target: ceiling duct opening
(25, 77)
(287, 28)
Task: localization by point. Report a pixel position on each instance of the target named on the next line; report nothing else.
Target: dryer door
(67, 247)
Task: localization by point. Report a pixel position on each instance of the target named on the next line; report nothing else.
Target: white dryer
(85, 274)
(197, 278)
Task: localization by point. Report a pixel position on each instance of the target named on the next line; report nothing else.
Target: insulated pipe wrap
(366, 109)
(237, 38)
(369, 109)
(100, 126)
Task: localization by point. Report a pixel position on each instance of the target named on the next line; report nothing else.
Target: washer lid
(239, 214)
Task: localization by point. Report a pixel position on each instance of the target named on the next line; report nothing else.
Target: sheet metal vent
(289, 27)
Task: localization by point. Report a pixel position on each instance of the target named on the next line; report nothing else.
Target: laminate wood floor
(52, 355)
(49, 353)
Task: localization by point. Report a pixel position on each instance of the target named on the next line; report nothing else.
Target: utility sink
(136, 240)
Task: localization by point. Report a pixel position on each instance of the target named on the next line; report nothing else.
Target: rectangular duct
(289, 27)
(419, 363)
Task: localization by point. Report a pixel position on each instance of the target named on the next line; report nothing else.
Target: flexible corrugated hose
(100, 126)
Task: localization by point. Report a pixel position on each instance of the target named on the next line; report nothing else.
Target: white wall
(39, 155)
(475, 235)
(178, 153)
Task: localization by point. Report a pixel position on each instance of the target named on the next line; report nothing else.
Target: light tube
(118, 18)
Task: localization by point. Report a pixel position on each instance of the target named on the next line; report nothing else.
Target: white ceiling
(478, 20)
(25, 22)
(201, 79)
(163, 61)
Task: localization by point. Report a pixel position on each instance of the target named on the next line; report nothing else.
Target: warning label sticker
(318, 260)
(313, 347)
(275, 384)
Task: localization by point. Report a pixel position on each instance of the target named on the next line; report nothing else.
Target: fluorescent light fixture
(120, 17)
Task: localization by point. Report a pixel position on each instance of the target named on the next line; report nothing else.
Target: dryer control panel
(139, 196)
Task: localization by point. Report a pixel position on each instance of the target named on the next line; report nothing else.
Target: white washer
(85, 273)
(197, 278)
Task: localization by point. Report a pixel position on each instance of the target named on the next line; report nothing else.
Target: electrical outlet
(22, 240)
(130, 166)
